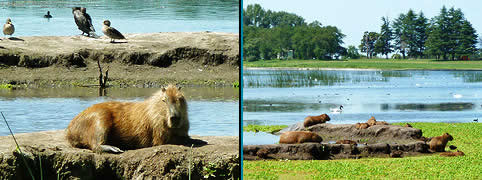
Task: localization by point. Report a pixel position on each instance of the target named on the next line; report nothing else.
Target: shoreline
(351, 69)
(144, 60)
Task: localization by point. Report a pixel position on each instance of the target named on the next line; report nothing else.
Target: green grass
(268, 129)
(395, 64)
(467, 137)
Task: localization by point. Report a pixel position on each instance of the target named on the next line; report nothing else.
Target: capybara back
(297, 137)
(312, 120)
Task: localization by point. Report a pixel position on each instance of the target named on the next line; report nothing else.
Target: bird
(111, 32)
(48, 15)
(452, 147)
(476, 120)
(83, 20)
(457, 96)
(337, 110)
(8, 28)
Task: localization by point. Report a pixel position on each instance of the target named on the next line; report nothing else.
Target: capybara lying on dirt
(345, 141)
(381, 123)
(438, 143)
(312, 120)
(296, 137)
(372, 121)
(112, 126)
(448, 154)
(361, 125)
(396, 154)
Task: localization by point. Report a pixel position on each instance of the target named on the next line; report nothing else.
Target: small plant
(209, 170)
(6, 86)
(235, 84)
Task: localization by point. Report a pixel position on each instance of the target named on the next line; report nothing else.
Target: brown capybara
(438, 143)
(345, 141)
(408, 125)
(448, 154)
(112, 126)
(396, 154)
(381, 123)
(372, 121)
(361, 125)
(262, 153)
(297, 137)
(312, 120)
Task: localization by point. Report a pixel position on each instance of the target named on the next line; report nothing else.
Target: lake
(284, 97)
(212, 111)
(127, 16)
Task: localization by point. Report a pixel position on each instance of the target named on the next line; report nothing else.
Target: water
(284, 97)
(212, 111)
(127, 16)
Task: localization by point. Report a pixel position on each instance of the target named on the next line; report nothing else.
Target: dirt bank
(50, 151)
(144, 59)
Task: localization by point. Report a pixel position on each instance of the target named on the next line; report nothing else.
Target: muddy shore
(143, 60)
(48, 154)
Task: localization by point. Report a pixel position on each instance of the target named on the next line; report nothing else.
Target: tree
(368, 43)
(421, 34)
(383, 44)
(467, 40)
(352, 52)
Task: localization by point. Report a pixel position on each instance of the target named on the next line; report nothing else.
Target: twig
(100, 74)
(18, 147)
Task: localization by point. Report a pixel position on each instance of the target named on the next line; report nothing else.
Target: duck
(337, 110)
(8, 28)
(83, 20)
(48, 15)
(111, 32)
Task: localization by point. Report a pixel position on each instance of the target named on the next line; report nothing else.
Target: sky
(354, 17)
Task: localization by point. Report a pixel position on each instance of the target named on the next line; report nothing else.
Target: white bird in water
(337, 110)
(457, 96)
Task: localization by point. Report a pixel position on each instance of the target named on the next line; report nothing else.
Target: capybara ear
(179, 88)
(163, 89)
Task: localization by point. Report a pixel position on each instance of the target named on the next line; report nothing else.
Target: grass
(268, 129)
(467, 137)
(392, 64)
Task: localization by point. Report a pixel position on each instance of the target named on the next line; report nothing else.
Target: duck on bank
(8, 28)
(111, 32)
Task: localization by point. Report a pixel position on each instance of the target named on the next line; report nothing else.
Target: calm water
(127, 16)
(284, 97)
(212, 111)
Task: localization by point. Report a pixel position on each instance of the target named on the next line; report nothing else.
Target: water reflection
(430, 107)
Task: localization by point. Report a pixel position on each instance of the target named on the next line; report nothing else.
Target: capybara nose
(175, 119)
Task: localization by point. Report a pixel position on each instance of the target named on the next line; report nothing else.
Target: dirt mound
(48, 153)
(156, 49)
(373, 134)
(317, 151)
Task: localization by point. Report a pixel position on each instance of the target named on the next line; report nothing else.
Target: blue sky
(354, 17)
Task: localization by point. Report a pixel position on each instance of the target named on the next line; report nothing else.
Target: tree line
(270, 34)
(446, 36)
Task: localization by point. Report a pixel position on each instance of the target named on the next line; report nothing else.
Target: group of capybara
(436, 144)
(371, 122)
(116, 126)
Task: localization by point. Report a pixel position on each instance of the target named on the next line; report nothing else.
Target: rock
(219, 158)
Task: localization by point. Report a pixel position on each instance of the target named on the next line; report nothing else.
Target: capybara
(345, 141)
(448, 154)
(408, 125)
(312, 120)
(396, 154)
(296, 137)
(262, 153)
(438, 143)
(361, 125)
(381, 123)
(112, 126)
(372, 121)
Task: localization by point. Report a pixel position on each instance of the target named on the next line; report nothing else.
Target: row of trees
(448, 35)
(269, 34)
